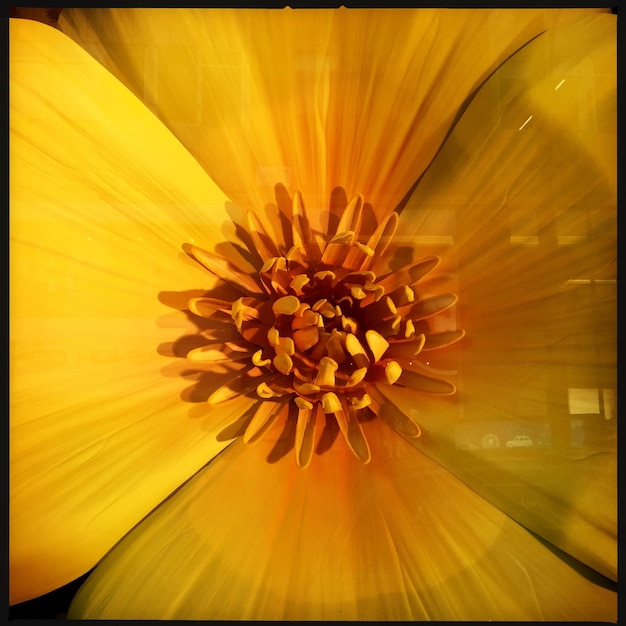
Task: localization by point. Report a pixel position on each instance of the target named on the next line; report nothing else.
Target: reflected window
(583, 401)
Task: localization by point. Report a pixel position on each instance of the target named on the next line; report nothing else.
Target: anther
(273, 337)
(331, 403)
(306, 388)
(283, 363)
(357, 376)
(357, 292)
(334, 348)
(299, 281)
(354, 347)
(266, 392)
(301, 403)
(306, 338)
(322, 275)
(326, 374)
(285, 345)
(287, 305)
(393, 371)
(360, 402)
(377, 344)
(402, 295)
(349, 324)
(258, 360)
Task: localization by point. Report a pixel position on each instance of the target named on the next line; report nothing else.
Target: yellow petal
(520, 205)
(256, 537)
(102, 197)
(306, 97)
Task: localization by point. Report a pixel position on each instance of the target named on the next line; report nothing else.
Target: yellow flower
(280, 422)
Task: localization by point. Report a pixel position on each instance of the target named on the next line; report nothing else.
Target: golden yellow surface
(197, 116)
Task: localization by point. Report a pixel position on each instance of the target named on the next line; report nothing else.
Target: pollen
(328, 325)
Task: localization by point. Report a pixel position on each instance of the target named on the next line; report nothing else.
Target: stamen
(409, 329)
(263, 244)
(285, 345)
(402, 295)
(280, 265)
(388, 327)
(306, 388)
(380, 310)
(301, 403)
(349, 324)
(265, 415)
(360, 402)
(305, 432)
(428, 384)
(380, 241)
(352, 432)
(211, 354)
(299, 224)
(330, 403)
(357, 376)
(431, 306)
(207, 307)
(354, 347)
(265, 391)
(259, 361)
(236, 386)
(377, 291)
(297, 255)
(377, 344)
(237, 313)
(283, 363)
(357, 255)
(406, 349)
(308, 318)
(267, 265)
(306, 338)
(439, 340)
(323, 275)
(326, 308)
(411, 275)
(326, 374)
(366, 250)
(273, 337)
(287, 305)
(334, 348)
(357, 292)
(351, 215)
(224, 270)
(393, 371)
(423, 267)
(299, 281)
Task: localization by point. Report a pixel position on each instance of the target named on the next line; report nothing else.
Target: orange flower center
(322, 333)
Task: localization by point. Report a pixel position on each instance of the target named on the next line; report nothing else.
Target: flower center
(325, 327)
(325, 332)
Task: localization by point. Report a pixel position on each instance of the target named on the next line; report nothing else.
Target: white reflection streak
(559, 84)
(526, 122)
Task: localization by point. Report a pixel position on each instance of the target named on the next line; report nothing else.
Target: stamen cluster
(322, 331)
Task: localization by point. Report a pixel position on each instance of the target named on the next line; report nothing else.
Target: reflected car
(519, 441)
